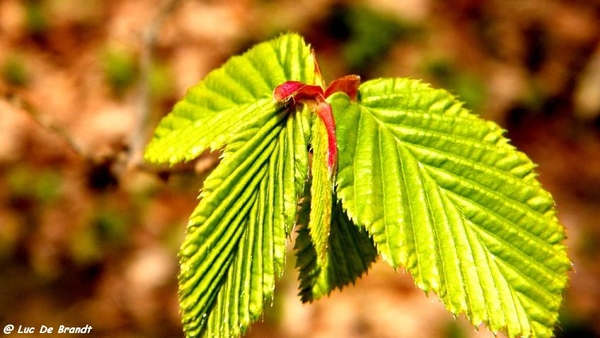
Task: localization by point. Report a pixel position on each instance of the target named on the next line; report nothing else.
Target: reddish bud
(287, 90)
(299, 92)
(347, 84)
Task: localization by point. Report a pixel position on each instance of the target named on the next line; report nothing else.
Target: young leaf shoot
(388, 167)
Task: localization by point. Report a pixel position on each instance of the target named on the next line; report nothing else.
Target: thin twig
(138, 139)
(18, 102)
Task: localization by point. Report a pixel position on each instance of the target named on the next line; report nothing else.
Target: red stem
(325, 112)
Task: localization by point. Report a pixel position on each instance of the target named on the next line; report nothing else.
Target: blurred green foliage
(108, 231)
(370, 35)
(161, 81)
(111, 225)
(454, 330)
(119, 68)
(468, 87)
(39, 186)
(14, 70)
(36, 18)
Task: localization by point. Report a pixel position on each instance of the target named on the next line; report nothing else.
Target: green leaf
(321, 190)
(421, 181)
(330, 251)
(444, 195)
(350, 252)
(236, 238)
(222, 103)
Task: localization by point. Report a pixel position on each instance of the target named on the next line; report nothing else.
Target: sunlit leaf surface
(420, 181)
(444, 195)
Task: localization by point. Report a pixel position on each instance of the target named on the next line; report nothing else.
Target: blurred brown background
(89, 234)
